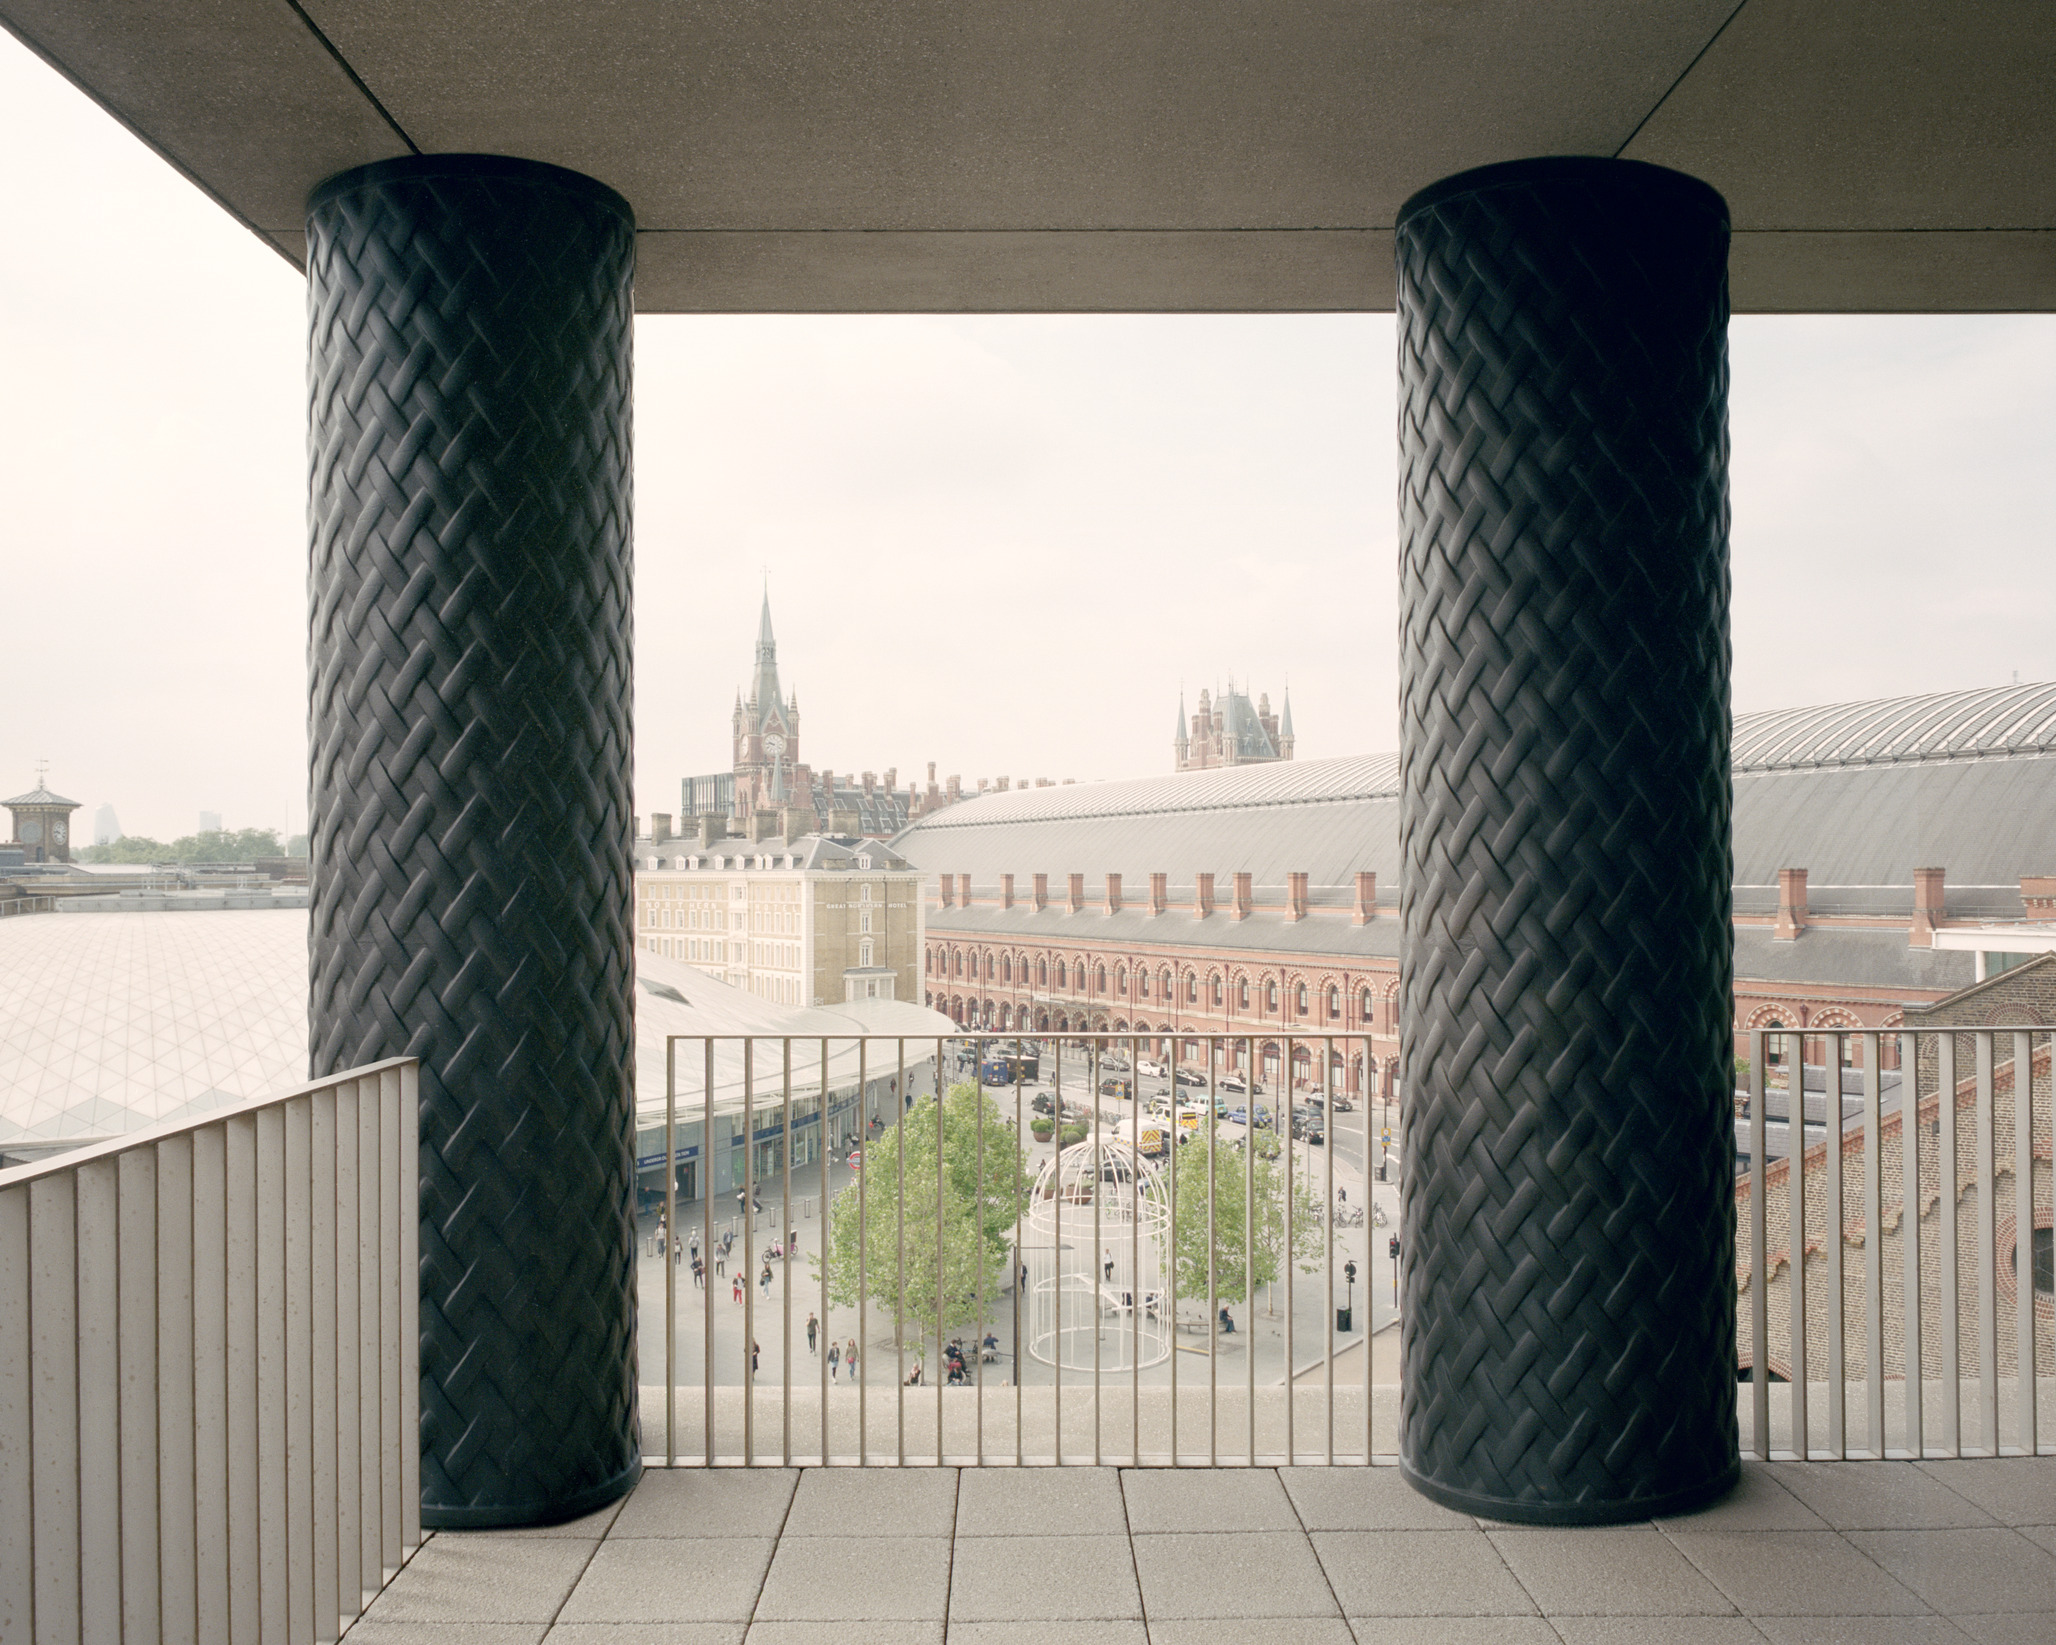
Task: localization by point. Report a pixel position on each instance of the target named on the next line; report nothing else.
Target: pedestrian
(1110, 1267)
(663, 1243)
(834, 1360)
(696, 1244)
(812, 1326)
(738, 1290)
(764, 1280)
(699, 1274)
(720, 1261)
(849, 1359)
(753, 1359)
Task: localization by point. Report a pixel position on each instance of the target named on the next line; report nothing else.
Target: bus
(1003, 1067)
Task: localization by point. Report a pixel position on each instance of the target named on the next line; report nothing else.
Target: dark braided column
(1568, 1233)
(469, 587)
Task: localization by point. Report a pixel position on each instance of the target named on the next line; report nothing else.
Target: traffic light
(1392, 1248)
(1349, 1272)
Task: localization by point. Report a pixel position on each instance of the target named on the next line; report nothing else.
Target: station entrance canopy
(923, 155)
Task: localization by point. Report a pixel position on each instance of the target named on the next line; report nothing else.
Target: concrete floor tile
(1420, 1573)
(587, 1527)
(1458, 1630)
(1757, 1503)
(1608, 1572)
(2013, 1628)
(708, 1502)
(845, 1633)
(898, 1502)
(2016, 1490)
(1861, 1630)
(481, 1577)
(1876, 1496)
(1171, 1500)
(1043, 1578)
(2043, 1536)
(1672, 1630)
(367, 1632)
(1251, 1574)
(1977, 1570)
(686, 1579)
(1259, 1630)
(1040, 1502)
(1047, 1633)
(1796, 1573)
(857, 1578)
(646, 1633)
(1365, 1499)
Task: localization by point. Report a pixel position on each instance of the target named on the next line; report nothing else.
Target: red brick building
(1876, 845)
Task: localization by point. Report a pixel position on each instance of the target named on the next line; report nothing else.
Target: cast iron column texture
(1568, 1230)
(469, 724)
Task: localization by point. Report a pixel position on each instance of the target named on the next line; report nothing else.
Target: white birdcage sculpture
(1095, 1243)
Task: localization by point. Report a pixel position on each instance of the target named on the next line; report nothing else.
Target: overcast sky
(1000, 544)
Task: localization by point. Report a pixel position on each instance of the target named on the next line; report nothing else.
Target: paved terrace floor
(1873, 1552)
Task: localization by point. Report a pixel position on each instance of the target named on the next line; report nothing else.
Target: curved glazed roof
(1859, 794)
(2002, 723)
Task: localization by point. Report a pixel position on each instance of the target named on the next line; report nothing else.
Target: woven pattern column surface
(469, 722)
(1568, 1229)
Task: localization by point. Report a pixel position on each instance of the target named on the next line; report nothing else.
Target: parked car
(1116, 1087)
(1113, 1064)
(1155, 1070)
(1044, 1103)
(1309, 1125)
(1190, 1076)
(1239, 1115)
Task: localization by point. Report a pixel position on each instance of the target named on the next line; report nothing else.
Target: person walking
(696, 1245)
(849, 1359)
(699, 1274)
(663, 1237)
(834, 1360)
(720, 1262)
(753, 1359)
(764, 1279)
(738, 1290)
(812, 1326)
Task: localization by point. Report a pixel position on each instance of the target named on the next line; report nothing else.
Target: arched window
(1142, 984)
(1364, 1008)
(1006, 968)
(928, 963)
(1302, 999)
(1099, 979)
(1334, 1001)
(1271, 995)
(988, 968)
(1216, 991)
(1192, 987)
(1120, 979)
(1165, 979)
(1242, 994)
(958, 960)
(1062, 973)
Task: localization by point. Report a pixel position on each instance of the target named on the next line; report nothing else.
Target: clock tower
(767, 733)
(42, 823)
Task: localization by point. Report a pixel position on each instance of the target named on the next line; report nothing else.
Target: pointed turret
(764, 691)
(1285, 727)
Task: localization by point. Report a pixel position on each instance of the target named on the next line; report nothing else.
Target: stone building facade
(1229, 729)
(804, 922)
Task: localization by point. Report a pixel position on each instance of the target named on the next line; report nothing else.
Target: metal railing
(1114, 1294)
(209, 1371)
(1925, 1335)
(1229, 1298)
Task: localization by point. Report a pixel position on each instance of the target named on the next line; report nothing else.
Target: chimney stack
(1076, 899)
(1791, 904)
(1366, 896)
(1929, 896)
(709, 830)
(1006, 891)
(963, 890)
(2037, 895)
(1113, 893)
(1245, 903)
(763, 826)
(1296, 896)
(660, 826)
(945, 890)
(1041, 892)
(1202, 895)
(1159, 893)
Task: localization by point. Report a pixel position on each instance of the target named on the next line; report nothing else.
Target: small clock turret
(42, 823)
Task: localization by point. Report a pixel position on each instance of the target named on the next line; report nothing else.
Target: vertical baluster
(672, 1237)
(749, 1261)
(1213, 1296)
(978, 1223)
(1831, 1248)
(1987, 1252)
(791, 1260)
(371, 1453)
(321, 1346)
(2027, 1436)
(1249, 1215)
(398, 1284)
(213, 1562)
(243, 1480)
(1171, 1276)
(709, 1155)
(1138, 1298)
(1874, 1244)
(1909, 1240)
(407, 1194)
(940, 1379)
(1018, 1279)
(869, 1163)
(1946, 1234)
(349, 1351)
(136, 1328)
(18, 1563)
(1795, 1200)
(1098, 1242)
(1327, 1244)
(1284, 1084)
(53, 1330)
(1759, 1250)
(177, 1362)
(1367, 1085)
(99, 1397)
(826, 1228)
(1056, 1280)
(296, 1367)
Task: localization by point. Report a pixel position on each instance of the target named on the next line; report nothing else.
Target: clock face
(32, 832)
(58, 831)
(774, 745)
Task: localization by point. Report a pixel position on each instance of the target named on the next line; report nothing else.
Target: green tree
(1234, 1178)
(943, 1256)
(137, 848)
(213, 845)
